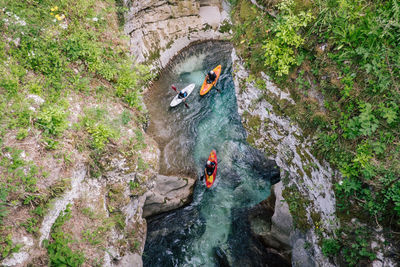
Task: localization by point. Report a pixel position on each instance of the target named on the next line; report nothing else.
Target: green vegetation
(346, 51)
(297, 206)
(65, 76)
(52, 120)
(330, 247)
(100, 127)
(279, 50)
(60, 254)
(115, 201)
(7, 247)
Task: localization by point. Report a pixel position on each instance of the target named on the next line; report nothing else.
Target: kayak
(211, 178)
(188, 89)
(207, 86)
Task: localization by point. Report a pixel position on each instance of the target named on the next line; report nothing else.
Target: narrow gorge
(98, 170)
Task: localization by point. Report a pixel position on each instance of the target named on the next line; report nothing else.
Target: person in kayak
(211, 76)
(182, 95)
(210, 167)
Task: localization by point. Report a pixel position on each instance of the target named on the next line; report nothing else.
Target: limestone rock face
(169, 192)
(307, 177)
(160, 29)
(282, 222)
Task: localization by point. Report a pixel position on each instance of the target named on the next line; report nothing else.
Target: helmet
(208, 163)
(211, 72)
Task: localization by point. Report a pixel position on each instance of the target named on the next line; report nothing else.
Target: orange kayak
(211, 178)
(207, 86)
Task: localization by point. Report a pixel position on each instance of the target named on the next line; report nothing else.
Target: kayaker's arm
(219, 91)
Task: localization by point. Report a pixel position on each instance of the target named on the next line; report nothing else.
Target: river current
(214, 229)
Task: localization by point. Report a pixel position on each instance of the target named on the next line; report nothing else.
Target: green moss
(298, 205)
(285, 179)
(155, 54)
(251, 140)
(116, 198)
(316, 217)
(254, 123)
(300, 173)
(307, 170)
(206, 27)
(169, 44)
(247, 11)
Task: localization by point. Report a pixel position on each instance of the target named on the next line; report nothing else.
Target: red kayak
(210, 178)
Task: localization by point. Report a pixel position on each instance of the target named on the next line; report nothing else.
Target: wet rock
(222, 257)
(271, 223)
(169, 192)
(251, 251)
(174, 231)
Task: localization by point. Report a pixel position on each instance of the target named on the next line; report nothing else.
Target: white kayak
(188, 89)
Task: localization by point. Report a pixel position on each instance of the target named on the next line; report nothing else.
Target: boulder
(282, 222)
(169, 192)
(272, 223)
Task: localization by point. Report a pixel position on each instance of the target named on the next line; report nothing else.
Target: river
(216, 221)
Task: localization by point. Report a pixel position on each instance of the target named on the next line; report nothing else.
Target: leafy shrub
(31, 225)
(99, 126)
(100, 134)
(354, 251)
(330, 247)
(279, 49)
(52, 120)
(129, 83)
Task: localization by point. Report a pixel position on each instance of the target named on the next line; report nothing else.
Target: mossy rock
(298, 205)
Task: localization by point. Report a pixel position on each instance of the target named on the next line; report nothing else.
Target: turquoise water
(217, 217)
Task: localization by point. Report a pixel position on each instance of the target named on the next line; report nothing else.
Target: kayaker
(210, 166)
(211, 76)
(182, 95)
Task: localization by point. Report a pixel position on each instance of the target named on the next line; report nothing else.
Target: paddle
(219, 91)
(184, 102)
(173, 87)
